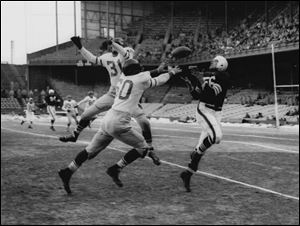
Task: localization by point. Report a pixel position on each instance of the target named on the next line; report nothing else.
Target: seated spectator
(24, 93)
(11, 94)
(30, 94)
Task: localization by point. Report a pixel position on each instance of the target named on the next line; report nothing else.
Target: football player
(113, 62)
(210, 89)
(70, 106)
(30, 109)
(88, 101)
(116, 123)
(51, 101)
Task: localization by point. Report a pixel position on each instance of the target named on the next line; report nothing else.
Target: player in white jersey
(89, 100)
(116, 123)
(70, 106)
(113, 62)
(30, 108)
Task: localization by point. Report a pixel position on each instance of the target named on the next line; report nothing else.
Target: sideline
(223, 141)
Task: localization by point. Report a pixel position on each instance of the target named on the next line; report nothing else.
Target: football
(181, 52)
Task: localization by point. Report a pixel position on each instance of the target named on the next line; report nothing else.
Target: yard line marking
(174, 164)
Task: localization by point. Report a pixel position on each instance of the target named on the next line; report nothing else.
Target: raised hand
(76, 41)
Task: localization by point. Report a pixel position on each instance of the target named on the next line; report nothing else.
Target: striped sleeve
(216, 87)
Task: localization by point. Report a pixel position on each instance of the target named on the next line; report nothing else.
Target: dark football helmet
(131, 67)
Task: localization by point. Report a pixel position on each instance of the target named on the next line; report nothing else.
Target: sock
(82, 124)
(52, 122)
(198, 153)
(77, 162)
(193, 165)
(128, 158)
(207, 142)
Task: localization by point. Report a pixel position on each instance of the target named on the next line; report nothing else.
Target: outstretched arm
(88, 55)
(163, 78)
(84, 52)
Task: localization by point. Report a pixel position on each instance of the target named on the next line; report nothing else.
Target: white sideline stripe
(173, 164)
(231, 134)
(190, 131)
(226, 141)
(237, 142)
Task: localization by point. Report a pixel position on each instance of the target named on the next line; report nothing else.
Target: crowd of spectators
(284, 28)
(151, 49)
(22, 95)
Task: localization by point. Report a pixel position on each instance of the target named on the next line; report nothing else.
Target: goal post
(277, 86)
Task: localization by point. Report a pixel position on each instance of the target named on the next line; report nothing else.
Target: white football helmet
(51, 91)
(220, 63)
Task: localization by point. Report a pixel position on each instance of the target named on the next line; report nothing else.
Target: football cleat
(113, 172)
(153, 156)
(70, 138)
(186, 178)
(65, 175)
(52, 128)
(22, 122)
(29, 127)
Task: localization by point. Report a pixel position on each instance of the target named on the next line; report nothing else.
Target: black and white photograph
(149, 112)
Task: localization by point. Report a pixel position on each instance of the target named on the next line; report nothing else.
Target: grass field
(252, 177)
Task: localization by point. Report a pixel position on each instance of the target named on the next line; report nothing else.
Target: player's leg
(24, 117)
(140, 149)
(75, 118)
(29, 117)
(211, 134)
(144, 123)
(119, 127)
(51, 111)
(99, 142)
(102, 104)
(69, 121)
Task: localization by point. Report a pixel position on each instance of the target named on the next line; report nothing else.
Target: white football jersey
(30, 107)
(88, 101)
(129, 91)
(113, 64)
(69, 105)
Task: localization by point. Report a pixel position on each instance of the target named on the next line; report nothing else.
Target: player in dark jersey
(51, 101)
(210, 89)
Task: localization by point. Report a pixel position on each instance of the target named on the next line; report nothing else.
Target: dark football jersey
(209, 87)
(51, 100)
(214, 90)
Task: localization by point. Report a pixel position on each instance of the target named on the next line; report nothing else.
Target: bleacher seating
(230, 113)
(78, 92)
(177, 95)
(10, 105)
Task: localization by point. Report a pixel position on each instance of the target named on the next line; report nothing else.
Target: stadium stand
(247, 34)
(9, 105)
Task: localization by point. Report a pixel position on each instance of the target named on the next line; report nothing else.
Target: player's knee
(143, 122)
(142, 152)
(92, 155)
(218, 138)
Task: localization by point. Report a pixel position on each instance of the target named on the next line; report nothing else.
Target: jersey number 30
(126, 90)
